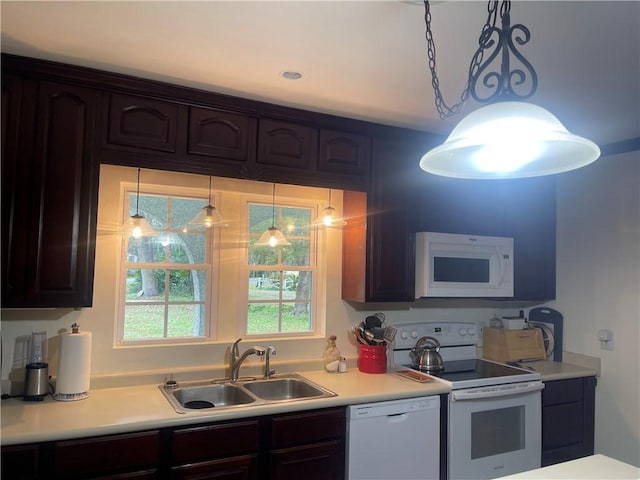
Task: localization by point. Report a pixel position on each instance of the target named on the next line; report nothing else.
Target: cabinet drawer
(214, 441)
(101, 455)
(307, 427)
(20, 462)
(563, 391)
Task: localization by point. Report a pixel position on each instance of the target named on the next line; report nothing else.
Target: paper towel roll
(74, 366)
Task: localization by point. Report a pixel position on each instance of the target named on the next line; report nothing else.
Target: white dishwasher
(398, 440)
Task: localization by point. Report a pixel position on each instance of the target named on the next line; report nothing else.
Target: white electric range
(494, 410)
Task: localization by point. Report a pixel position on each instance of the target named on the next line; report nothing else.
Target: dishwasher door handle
(397, 417)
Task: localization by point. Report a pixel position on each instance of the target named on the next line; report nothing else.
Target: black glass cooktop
(473, 369)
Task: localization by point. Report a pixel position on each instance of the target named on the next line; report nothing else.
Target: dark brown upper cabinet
(52, 193)
(523, 209)
(345, 155)
(286, 149)
(220, 135)
(142, 122)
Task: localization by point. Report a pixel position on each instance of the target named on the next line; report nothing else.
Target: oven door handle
(496, 391)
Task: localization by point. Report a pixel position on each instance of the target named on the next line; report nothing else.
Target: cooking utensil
(359, 336)
(372, 321)
(425, 355)
(389, 334)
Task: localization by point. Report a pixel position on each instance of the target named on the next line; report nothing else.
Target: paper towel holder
(69, 397)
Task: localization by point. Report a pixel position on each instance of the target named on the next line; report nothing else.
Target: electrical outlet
(606, 339)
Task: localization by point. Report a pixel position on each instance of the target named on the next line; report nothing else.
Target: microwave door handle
(493, 392)
(501, 263)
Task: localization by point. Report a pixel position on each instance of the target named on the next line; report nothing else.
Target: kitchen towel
(74, 366)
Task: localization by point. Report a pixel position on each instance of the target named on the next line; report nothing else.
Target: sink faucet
(236, 359)
(267, 367)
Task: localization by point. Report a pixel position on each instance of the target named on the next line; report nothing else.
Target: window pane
(262, 318)
(296, 317)
(188, 248)
(183, 284)
(260, 218)
(297, 286)
(184, 210)
(297, 253)
(153, 208)
(144, 285)
(296, 221)
(262, 255)
(264, 285)
(143, 321)
(186, 320)
(145, 250)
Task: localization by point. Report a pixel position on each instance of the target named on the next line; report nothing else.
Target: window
(281, 279)
(166, 277)
(215, 285)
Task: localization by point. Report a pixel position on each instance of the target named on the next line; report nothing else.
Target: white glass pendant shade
(509, 140)
(329, 218)
(207, 217)
(272, 237)
(136, 226)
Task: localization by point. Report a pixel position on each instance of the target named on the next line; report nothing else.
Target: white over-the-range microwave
(454, 265)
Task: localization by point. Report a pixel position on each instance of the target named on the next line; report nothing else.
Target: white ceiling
(360, 59)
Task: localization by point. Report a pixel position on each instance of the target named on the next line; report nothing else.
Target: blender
(36, 381)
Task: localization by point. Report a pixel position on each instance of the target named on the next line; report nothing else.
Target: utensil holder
(372, 358)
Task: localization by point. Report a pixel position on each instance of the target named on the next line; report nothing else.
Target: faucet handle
(259, 350)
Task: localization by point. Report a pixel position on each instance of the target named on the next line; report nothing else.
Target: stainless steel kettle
(425, 355)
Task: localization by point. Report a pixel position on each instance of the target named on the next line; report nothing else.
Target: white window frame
(212, 238)
(317, 265)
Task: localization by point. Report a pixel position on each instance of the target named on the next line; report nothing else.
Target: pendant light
(272, 237)
(208, 216)
(136, 225)
(328, 217)
(508, 138)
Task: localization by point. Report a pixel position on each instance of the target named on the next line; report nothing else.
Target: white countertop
(596, 467)
(551, 371)
(143, 407)
(125, 409)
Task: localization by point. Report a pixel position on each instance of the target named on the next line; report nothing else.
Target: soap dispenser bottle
(331, 355)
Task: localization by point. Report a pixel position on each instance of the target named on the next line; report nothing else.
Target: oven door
(494, 430)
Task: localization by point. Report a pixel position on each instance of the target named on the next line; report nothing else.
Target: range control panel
(447, 333)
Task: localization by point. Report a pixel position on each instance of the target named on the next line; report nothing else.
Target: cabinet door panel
(20, 462)
(237, 468)
(16, 173)
(344, 153)
(319, 461)
(287, 145)
(307, 427)
(214, 441)
(391, 211)
(220, 134)
(142, 122)
(64, 198)
(101, 455)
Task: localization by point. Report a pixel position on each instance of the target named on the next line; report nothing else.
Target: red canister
(372, 359)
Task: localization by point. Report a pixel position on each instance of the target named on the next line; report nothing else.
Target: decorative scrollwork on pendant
(503, 83)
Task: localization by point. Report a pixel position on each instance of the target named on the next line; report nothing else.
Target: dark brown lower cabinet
(293, 446)
(308, 445)
(568, 410)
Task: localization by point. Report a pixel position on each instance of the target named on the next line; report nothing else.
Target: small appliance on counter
(36, 381)
(74, 365)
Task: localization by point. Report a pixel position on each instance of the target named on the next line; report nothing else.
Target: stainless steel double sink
(222, 394)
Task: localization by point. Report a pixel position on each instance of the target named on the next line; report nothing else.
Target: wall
(598, 287)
